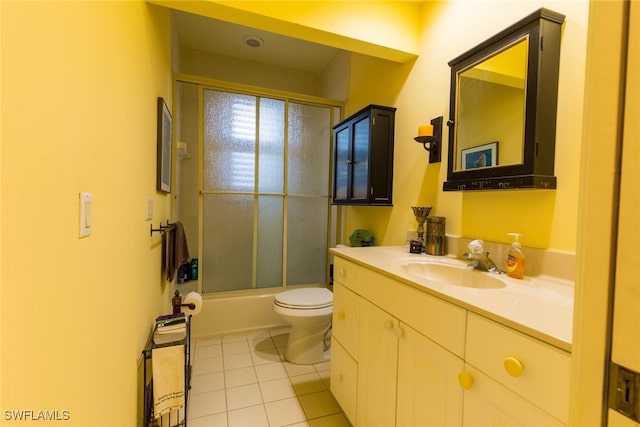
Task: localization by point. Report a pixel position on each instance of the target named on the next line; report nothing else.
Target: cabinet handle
(349, 162)
(513, 366)
(388, 325)
(341, 315)
(465, 380)
(399, 332)
(342, 273)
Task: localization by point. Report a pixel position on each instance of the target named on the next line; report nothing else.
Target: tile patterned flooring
(243, 380)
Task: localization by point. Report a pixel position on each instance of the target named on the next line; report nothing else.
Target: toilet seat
(304, 299)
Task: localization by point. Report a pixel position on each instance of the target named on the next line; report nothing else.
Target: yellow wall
(419, 88)
(547, 219)
(380, 28)
(79, 88)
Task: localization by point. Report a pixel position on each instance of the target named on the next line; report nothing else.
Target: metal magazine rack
(148, 419)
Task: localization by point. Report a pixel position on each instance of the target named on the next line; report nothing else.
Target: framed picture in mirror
(480, 156)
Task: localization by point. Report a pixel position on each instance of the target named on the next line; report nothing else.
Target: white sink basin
(452, 275)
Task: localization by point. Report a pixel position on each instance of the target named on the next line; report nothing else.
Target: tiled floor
(243, 380)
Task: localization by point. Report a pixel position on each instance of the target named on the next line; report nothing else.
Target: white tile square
(217, 420)
(336, 420)
(243, 396)
(284, 412)
(207, 366)
(308, 383)
(204, 342)
(280, 340)
(207, 382)
(319, 404)
(277, 390)
(258, 335)
(271, 371)
(238, 347)
(238, 377)
(263, 357)
(262, 344)
(214, 350)
(325, 376)
(248, 417)
(294, 370)
(203, 404)
(234, 338)
(237, 361)
(324, 366)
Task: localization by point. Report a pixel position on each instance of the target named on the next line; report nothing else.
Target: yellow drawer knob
(513, 366)
(465, 380)
(341, 315)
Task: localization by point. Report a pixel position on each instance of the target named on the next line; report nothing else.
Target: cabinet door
(360, 185)
(344, 379)
(488, 403)
(342, 163)
(428, 390)
(345, 318)
(381, 157)
(377, 367)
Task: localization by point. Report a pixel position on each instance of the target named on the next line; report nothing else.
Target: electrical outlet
(624, 386)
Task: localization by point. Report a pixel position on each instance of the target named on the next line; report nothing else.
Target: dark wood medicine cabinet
(503, 103)
(363, 158)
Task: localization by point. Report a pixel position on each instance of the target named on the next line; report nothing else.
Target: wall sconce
(430, 136)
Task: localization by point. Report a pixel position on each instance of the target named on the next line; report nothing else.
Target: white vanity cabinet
(403, 377)
(404, 357)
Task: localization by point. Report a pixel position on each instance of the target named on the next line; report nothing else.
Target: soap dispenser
(515, 258)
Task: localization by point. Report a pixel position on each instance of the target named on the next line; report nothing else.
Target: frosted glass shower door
(265, 197)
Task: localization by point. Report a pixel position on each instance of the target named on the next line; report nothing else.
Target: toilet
(308, 311)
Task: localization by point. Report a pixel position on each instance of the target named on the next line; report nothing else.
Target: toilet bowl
(308, 311)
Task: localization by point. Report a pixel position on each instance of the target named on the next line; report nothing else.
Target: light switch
(86, 219)
(149, 214)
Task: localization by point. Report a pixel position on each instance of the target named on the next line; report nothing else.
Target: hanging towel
(168, 379)
(177, 250)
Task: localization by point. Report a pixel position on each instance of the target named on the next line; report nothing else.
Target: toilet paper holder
(177, 304)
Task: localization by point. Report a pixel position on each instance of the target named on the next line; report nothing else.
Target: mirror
(503, 108)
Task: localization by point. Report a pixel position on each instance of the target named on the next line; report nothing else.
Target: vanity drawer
(535, 370)
(347, 273)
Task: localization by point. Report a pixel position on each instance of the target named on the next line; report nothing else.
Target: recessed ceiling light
(253, 41)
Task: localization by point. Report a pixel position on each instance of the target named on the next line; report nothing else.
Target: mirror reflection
(491, 109)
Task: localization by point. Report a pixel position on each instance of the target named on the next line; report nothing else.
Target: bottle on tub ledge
(515, 258)
(194, 269)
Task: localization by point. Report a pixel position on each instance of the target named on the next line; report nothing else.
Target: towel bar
(162, 229)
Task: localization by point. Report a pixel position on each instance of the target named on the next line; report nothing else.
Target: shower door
(265, 192)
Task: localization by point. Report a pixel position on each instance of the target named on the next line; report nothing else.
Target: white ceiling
(224, 38)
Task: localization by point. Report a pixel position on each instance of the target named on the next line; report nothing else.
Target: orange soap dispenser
(515, 258)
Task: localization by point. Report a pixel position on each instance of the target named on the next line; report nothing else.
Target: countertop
(539, 306)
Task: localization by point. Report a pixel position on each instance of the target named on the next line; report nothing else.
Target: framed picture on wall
(480, 156)
(163, 172)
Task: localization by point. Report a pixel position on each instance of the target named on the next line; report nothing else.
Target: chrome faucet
(479, 258)
(482, 262)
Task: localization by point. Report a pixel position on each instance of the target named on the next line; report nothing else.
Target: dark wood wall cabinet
(363, 158)
(503, 105)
